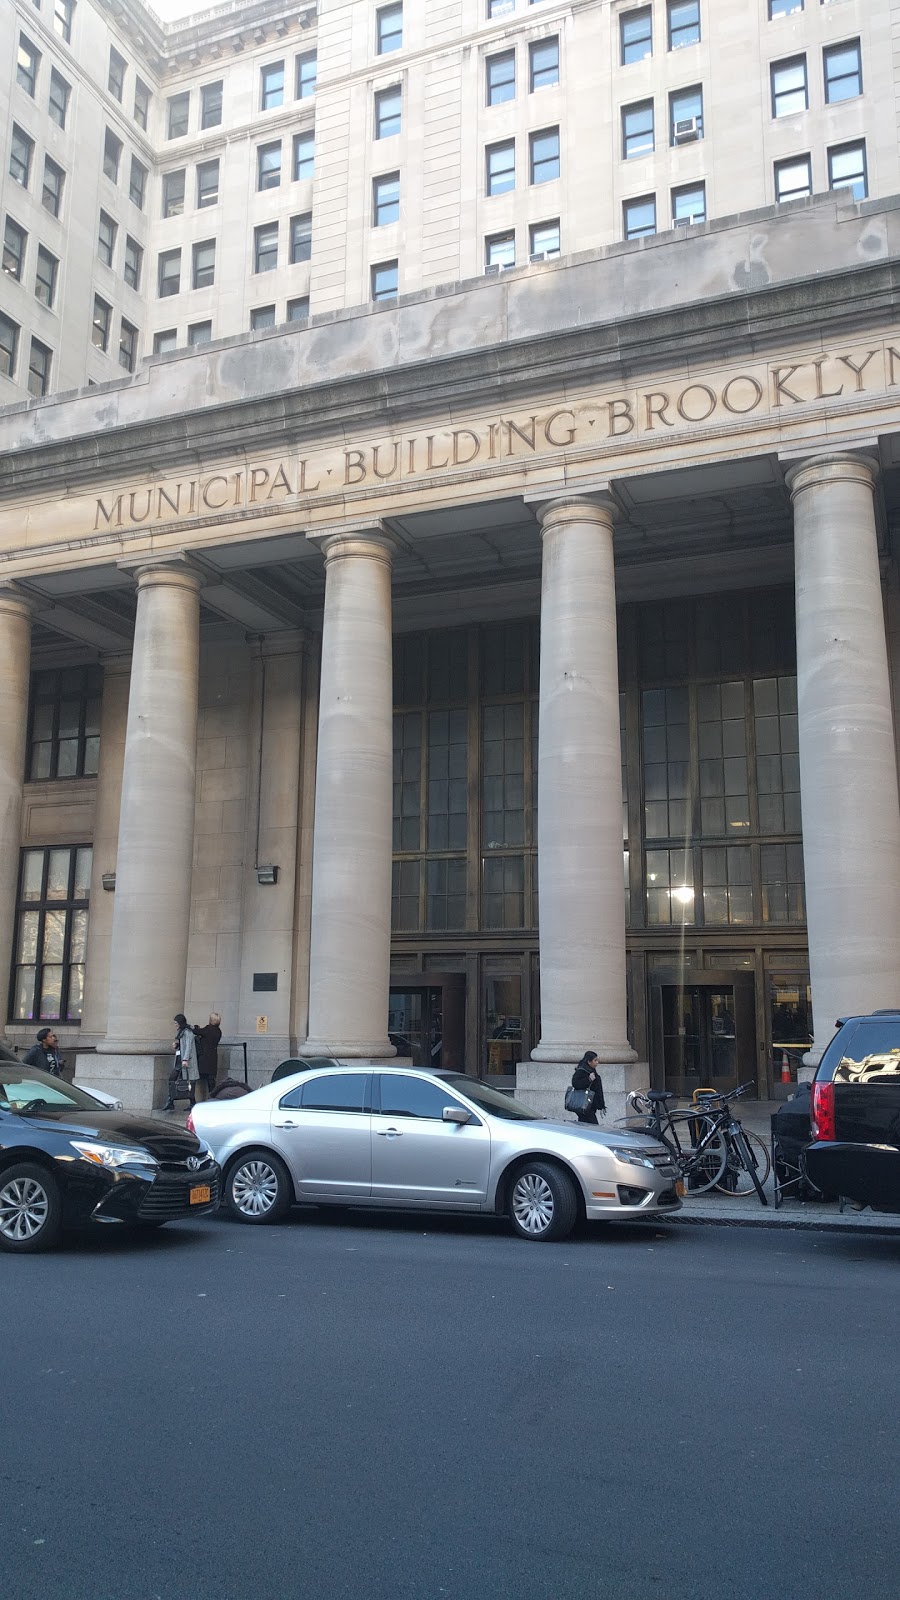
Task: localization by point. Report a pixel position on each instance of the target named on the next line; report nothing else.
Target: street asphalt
(408, 1408)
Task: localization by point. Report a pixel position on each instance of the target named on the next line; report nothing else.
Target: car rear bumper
(868, 1174)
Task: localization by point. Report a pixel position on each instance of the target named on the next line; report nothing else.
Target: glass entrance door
(706, 1036)
(415, 1025)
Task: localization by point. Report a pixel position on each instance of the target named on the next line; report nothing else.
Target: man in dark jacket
(45, 1054)
(208, 1051)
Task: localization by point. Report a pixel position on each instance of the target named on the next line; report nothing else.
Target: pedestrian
(185, 1068)
(208, 1055)
(45, 1053)
(587, 1076)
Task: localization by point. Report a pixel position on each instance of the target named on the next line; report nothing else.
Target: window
(271, 86)
(412, 1097)
(262, 317)
(784, 8)
(777, 758)
(544, 155)
(9, 344)
(211, 104)
(338, 1091)
(385, 199)
(500, 76)
(58, 105)
(304, 156)
(843, 72)
(134, 262)
(500, 161)
(543, 239)
(268, 165)
(500, 250)
(137, 186)
(790, 92)
(265, 247)
(686, 116)
(178, 112)
(128, 339)
(781, 872)
(63, 13)
(21, 149)
(112, 155)
(300, 247)
(14, 239)
(500, 8)
(445, 893)
(51, 934)
(385, 278)
(28, 60)
(115, 82)
(106, 239)
(793, 178)
(636, 34)
(637, 130)
(52, 192)
(847, 169)
(689, 204)
(164, 342)
(169, 273)
(141, 103)
(640, 216)
(45, 277)
(503, 892)
(670, 888)
(173, 193)
(388, 29)
(207, 184)
(684, 23)
(727, 885)
(203, 268)
(543, 63)
(306, 75)
(388, 110)
(101, 324)
(199, 333)
(298, 310)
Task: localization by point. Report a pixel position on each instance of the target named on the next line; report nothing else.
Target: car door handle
(287, 1124)
(390, 1133)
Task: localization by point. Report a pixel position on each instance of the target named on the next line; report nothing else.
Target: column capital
(553, 510)
(175, 571)
(840, 466)
(14, 601)
(370, 540)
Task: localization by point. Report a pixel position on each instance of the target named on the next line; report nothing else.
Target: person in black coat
(587, 1076)
(208, 1040)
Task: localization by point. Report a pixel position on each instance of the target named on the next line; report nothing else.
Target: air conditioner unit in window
(499, 266)
(543, 255)
(684, 222)
(686, 129)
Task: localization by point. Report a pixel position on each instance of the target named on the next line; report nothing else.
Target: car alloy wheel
(543, 1201)
(532, 1203)
(30, 1209)
(259, 1189)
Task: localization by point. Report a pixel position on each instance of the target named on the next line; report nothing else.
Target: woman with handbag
(586, 1078)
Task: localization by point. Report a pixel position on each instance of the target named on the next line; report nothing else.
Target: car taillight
(190, 1122)
(822, 1114)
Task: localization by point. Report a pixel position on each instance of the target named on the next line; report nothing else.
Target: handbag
(579, 1100)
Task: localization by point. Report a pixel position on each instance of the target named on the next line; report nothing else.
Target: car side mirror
(455, 1114)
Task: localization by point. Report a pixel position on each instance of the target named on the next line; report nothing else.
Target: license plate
(680, 1189)
(200, 1195)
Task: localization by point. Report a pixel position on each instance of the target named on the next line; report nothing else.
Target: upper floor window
(640, 216)
(689, 204)
(637, 130)
(784, 8)
(112, 155)
(165, 342)
(169, 273)
(298, 310)
(388, 29)
(21, 150)
(843, 71)
(199, 333)
(793, 178)
(116, 78)
(685, 116)
(45, 276)
(106, 239)
(385, 278)
(14, 241)
(63, 17)
(500, 249)
(141, 103)
(28, 60)
(500, 8)
(173, 193)
(500, 77)
(52, 191)
(207, 183)
(300, 238)
(211, 104)
(268, 165)
(262, 317)
(101, 324)
(58, 104)
(134, 261)
(790, 91)
(385, 199)
(9, 346)
(684, 23)
(307, 67)
(636, 35)
(51, 934)
(543, 240)
(178, 115)
(265, 247)
(304, 155)
(128, 343)
(543, 63)
(271, 86)
(137, 185)
(388, 112)
(203, 269)
(500, 167)
(544, 155)
(847, 169)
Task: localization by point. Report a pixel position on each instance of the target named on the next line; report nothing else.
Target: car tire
(543, 1202)
(258, 1188)
(30, 1209)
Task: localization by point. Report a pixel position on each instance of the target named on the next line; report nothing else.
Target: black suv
(856, 1113)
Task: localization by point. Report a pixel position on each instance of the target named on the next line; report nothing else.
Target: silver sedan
(439, 1141)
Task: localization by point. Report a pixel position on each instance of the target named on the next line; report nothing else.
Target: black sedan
(66, 1161)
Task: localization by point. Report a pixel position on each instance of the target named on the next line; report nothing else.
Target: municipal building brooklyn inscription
(595, 425)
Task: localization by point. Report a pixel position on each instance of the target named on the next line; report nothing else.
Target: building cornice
(207, 35)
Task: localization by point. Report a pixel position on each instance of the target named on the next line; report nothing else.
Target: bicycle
(722, 1154)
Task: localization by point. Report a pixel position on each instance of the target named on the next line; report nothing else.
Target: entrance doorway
(704, 1032)
(426, 1019)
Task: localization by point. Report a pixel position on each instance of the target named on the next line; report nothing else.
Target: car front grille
(169, 1197)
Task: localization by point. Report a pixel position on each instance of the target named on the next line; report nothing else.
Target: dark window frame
(42, 906)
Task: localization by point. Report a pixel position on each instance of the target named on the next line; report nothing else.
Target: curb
(808, 1225)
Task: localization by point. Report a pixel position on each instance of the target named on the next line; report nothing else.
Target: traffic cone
(785, 1067)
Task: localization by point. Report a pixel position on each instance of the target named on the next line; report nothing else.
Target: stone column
(113, 722)
(148, 957)
(581, 890)
(15, 666)
(349, 970)
(848, 770)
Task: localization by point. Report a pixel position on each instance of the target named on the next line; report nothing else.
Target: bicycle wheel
(703, 1166)
(746, 1168)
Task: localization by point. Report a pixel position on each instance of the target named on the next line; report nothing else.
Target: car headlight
(633, 1158)
(114, 1155)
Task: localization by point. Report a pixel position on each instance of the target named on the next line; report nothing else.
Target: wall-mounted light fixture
(267, 874)
(108, 880)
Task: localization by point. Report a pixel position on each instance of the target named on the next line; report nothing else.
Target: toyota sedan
(442, 1141)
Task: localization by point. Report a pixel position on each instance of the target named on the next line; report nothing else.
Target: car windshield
(499, 1105)
(25, 1089)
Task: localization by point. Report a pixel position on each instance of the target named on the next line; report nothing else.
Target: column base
(555, 1050)
(380, 1050)
(542, 1086)
(141, 1082)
